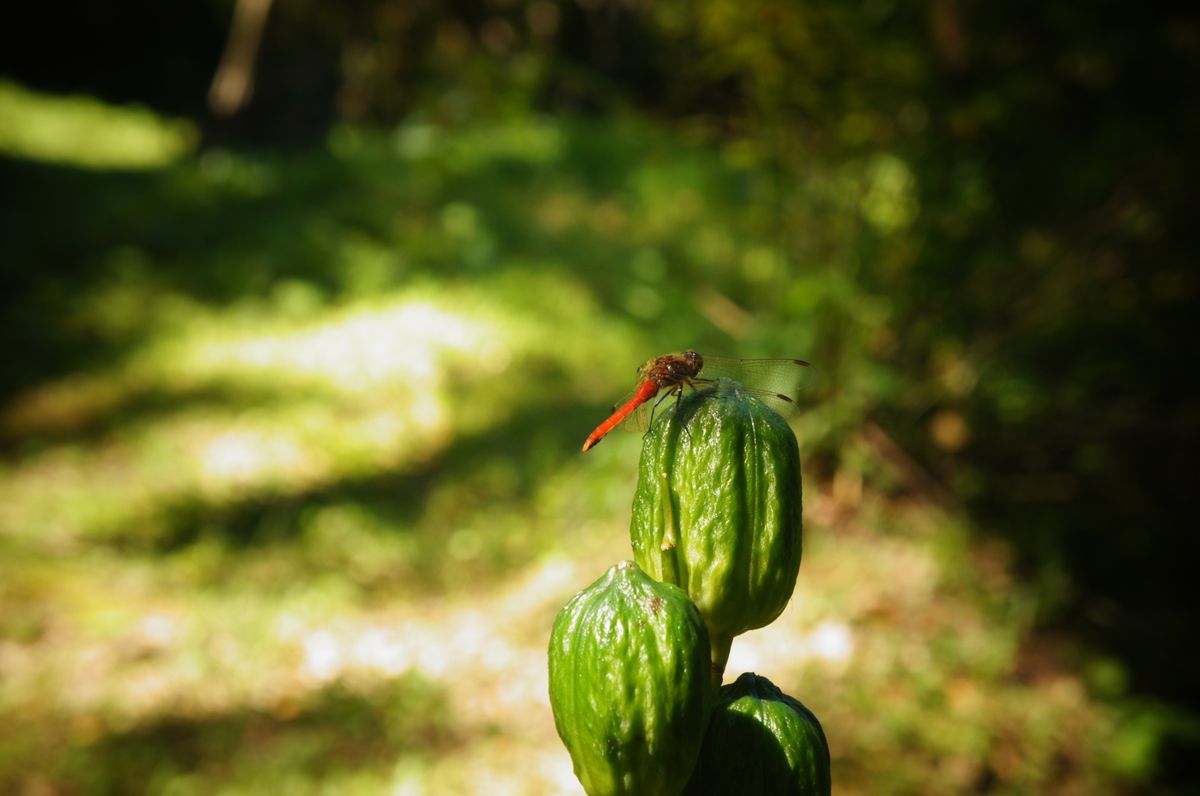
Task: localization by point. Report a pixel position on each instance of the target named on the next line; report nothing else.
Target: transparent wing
(775, 380)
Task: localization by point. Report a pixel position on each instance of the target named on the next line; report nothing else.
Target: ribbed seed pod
(629, 684)
(761, 742)
(718, 509)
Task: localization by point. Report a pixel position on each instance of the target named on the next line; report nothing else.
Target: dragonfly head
(694, 361)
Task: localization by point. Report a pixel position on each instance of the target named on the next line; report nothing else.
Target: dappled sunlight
(239, 458)
(890, 201)
(81, 131)
(526, 141)
(398, 347)
(831, 643)
(360, 350)
(360, 390)
(275, 657)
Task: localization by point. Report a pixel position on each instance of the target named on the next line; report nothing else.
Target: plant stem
(667, 564)
(720, 645)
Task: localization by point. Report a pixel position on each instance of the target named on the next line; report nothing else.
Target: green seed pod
(629, 684)
(761, 742)
(717, 509)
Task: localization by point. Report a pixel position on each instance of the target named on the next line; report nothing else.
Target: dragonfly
(669, 374)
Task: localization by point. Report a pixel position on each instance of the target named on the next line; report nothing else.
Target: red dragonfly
(670, 373)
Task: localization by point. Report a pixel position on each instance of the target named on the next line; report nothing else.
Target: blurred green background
(308, 308)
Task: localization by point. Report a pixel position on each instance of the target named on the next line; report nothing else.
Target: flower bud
(761, 742)
(717, 509)
(630, 685)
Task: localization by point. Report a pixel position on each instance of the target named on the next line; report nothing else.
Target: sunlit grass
(82, 131)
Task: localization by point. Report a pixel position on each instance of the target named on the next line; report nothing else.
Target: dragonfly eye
(694, 361)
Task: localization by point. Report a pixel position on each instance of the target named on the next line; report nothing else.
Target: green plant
(718, 509)
(716, 519)
(629, 684)
(760, 740)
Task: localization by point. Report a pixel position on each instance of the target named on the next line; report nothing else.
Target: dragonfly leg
(661, 398)
(678, 398)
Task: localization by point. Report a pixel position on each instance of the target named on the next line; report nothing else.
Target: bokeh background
(309, 306)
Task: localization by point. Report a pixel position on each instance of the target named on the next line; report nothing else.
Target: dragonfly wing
(764, 378)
